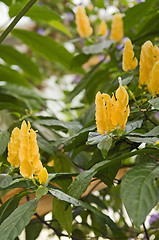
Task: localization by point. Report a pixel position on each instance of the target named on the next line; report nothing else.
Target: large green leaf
(139, 191)
(64, 216)
(65, 197)
(45, 46)
(13, 57)
(135, 14)
(80, 184)
(36, 12)
(10, 205)
(130, 126)
(12, 76)
(19, 218)
(4, 139)
(33, 229)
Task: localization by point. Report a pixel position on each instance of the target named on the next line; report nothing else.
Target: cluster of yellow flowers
(112, 113)
(85, 30)
(149, 65)
(23, 151)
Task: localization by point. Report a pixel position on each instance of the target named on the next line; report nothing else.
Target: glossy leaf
(5, 180)
(155, 103)
(41, 191)
(139, 191)
(19, 218)
(45, 46)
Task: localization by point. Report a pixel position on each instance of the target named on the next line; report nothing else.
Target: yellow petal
(129, 62)
(43, 176)
(103, 28)
(117, 28)
(26, 169)
(153, 85)
(82, 21)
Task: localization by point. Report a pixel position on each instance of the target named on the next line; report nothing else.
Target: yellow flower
(24, 151)
(117, 28)
(82, 21)
(111, 113)
(149, 55)
(153, 84)
(43, 176)
(129, 62)
(103, 28)
(13, 148)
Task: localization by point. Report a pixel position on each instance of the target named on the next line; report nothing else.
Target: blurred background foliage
(48, 76)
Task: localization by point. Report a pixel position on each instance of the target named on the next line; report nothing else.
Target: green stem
(16, 19)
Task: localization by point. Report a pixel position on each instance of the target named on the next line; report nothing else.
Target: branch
(16, 19)
(146, 233)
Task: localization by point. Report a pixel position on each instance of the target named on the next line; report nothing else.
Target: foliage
(91, 176)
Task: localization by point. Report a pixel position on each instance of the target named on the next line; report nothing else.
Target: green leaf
(36, 12)
(45, 46)
(148, 140)
(127, 80)
(19, 218)
(139, 191)
(76, 189)
(12, 76)
(130, 126)
(153, 133)
(33, 229)
(155, 103)
(10, 205)
(105, 145)
(41, 191)
(5, 180)
(64, 216)
(60, 26)
(135, 14)
(4, 139)
(98, 47)
(94, 138)
(65, 197)
(13, 57)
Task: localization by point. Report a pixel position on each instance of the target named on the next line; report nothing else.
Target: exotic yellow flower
(13, 148)
(149, 55)
(82, 21)
(112, 113)
(117, 28)
(24, 151)
(43, 176)
(103, 28)
(153, 85)
(129, 62)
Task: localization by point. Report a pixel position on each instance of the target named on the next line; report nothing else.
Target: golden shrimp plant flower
(149, 55)
(23, 151)
(117, 28)
(82, 21)
(111, 113)
(129, 61)
(103, 29)
(153, 84)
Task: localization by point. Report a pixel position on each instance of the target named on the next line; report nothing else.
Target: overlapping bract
(24, 151)
(82, 21)
(149, 55)
(103, 29)
(129, 62)
(117, 28)
(153, 85)
(112, 113)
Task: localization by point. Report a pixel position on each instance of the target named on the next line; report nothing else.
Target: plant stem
(146, 233)
(16, 19)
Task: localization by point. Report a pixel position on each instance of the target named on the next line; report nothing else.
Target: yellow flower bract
(82, 21)
(103, 28)
(129, 62)
(153, 84)
(24, 151)
(111, 113)
(149, 55)
(117, 28)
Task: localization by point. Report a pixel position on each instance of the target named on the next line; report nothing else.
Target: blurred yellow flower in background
(82, 21)
(117, 28)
